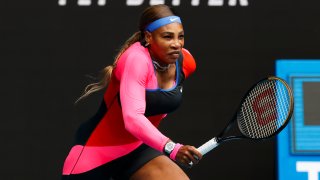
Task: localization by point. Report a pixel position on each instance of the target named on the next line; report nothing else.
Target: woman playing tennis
(144, 84)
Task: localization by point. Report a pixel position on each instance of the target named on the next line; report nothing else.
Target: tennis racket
(264, 111)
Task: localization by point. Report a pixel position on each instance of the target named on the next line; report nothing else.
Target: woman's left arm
(132, 96)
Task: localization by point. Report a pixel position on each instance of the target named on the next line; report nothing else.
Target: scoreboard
(298, 145)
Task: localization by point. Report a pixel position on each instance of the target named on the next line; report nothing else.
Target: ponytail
(107, 71)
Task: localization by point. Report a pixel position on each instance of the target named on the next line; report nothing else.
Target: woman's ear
(148, 37)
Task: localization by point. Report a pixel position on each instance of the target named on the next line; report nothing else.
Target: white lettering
(215, 2)
(62, 2)
(84, 2)
(134, 2)
(242, 2)
(195, 2)
(155, 2)
(312, 168)
(152, 2)
(175, 2)
(102, 2)
(230, 2)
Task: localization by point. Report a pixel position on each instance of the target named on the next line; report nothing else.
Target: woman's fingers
(189, 155)
(196, 153)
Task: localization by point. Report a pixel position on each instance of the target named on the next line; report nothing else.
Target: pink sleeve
(132, 96)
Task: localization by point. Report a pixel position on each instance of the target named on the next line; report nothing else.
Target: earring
(147, 44)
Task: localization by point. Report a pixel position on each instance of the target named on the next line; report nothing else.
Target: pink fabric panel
(71, 159)
(82, 159)
(134, 70)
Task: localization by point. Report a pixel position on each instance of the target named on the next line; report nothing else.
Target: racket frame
(216, 141)
(286, 121)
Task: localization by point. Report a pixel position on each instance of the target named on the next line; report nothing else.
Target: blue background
(286, 158)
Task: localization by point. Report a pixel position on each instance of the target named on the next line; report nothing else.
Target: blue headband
(161, 22)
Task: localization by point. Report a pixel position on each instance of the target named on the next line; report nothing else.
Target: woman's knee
(160, 167)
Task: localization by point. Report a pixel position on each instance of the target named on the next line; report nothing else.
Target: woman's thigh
(160, 167)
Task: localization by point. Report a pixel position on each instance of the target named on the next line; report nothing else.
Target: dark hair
(149, 15)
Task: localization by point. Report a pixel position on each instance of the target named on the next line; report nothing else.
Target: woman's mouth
(174, 54)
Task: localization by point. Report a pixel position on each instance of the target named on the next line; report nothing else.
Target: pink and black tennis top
(132, 108)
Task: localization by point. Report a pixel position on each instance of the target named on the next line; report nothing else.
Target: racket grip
(208, 146)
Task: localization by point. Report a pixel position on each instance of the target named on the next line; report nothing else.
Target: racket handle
(208, 146)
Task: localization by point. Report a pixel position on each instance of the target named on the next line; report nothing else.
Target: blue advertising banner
(298, 145)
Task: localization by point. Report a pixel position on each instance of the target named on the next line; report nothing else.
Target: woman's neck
(157, 64)
(160, 67)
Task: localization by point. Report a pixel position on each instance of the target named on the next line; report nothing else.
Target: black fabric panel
(87, 127)
(162, 102)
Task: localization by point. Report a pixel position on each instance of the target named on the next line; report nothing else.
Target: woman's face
(166, 43)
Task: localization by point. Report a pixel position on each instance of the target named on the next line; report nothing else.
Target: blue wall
(298, 144)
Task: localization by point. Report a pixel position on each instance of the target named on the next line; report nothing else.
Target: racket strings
(265, 109)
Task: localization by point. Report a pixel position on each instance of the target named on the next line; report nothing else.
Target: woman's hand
(187, 154)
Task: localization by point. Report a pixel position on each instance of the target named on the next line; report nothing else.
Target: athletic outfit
(117, 140)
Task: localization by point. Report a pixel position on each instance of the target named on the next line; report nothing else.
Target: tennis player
(144, 84)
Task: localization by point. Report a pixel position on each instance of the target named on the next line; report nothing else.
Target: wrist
(168, 148)
(175, 151)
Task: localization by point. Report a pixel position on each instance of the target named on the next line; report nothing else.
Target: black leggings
(119, 169)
